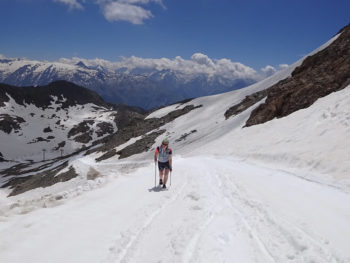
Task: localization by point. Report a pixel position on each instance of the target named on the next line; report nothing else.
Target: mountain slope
(59, 118)
(137, 87)
(216, 209)
(274, 192)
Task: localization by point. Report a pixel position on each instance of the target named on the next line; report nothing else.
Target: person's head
(165, 143)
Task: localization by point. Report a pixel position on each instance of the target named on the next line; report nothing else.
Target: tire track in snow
(181, 241)
(263, 226)
(192, 247)
(262, 247)
(131, 238)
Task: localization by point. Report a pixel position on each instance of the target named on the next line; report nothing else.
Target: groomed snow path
(216, 210)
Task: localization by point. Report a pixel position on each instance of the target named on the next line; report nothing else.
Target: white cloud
(196, 65)
(133, 11)
(72, 4)
(283, 66)
(269, 70)
(117, 11)
(202, 59)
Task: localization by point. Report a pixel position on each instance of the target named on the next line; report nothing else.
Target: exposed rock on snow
(68, 94)
(142, 145)
(135, 127)
(319, 75)
(43, 179)
(9, 123)
(185, 135)
(248, 101)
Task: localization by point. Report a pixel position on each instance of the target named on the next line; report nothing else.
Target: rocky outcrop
(67, 93)
(135, 127)
(83, 127)
(185, 135)
(142, 145)
(248, 101)
(319, 75)
(9, 123)
(42, 179)
(47, 129)
(104, 128)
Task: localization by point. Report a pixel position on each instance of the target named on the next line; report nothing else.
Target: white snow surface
(274, 192)
(23, 144)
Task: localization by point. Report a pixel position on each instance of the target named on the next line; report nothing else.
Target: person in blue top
(163, 155)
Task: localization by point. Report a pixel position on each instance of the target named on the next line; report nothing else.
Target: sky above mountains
(256, 33)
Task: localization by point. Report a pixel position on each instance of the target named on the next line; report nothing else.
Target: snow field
(217, 209)
(37, 119)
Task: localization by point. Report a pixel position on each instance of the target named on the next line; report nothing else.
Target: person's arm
(171, 162)
(156, 155)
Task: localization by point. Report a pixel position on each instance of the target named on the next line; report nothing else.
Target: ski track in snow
(269, 234)
(121, 254)
(262, 226)
(217, 210)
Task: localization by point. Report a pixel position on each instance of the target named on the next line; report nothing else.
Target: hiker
(163, 155)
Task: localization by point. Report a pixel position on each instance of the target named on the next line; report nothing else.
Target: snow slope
(216, 210)
(275, 192)
(24, 143)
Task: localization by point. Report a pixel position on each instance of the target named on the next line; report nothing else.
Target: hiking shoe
(160, 181)
(164, 186)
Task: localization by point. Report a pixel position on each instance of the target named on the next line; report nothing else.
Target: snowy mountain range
(62, 116)
(161, 82)
(260, 174)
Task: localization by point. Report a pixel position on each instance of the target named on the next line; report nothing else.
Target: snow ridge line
(122, 256)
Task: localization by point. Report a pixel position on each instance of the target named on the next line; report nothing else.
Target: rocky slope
(319, 75)
(213, 122)
(60, 117)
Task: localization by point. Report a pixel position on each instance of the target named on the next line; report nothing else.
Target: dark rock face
(185, 135)
(142, 145)
(9, 123)
(82, 127)
(38, 139)
(104, 128)
(318, 76)
(47, 129)
(134, 127)
(43, 179)
(60, 145)
(67, 93)
(248, 101)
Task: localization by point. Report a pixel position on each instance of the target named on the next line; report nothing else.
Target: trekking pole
(155, 174)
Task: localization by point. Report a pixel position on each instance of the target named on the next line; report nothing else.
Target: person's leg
(166, 173)
(161, 174)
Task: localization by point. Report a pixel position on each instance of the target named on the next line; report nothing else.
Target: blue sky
(254, 32)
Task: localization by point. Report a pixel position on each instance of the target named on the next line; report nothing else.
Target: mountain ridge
(159, 87)
(191, 125)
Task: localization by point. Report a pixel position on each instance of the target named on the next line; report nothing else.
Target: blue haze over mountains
(142, 87)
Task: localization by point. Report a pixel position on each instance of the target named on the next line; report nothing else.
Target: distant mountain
(136, 86)
(295, 119)
(58, 117)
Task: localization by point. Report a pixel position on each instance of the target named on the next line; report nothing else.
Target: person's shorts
(163, 166)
